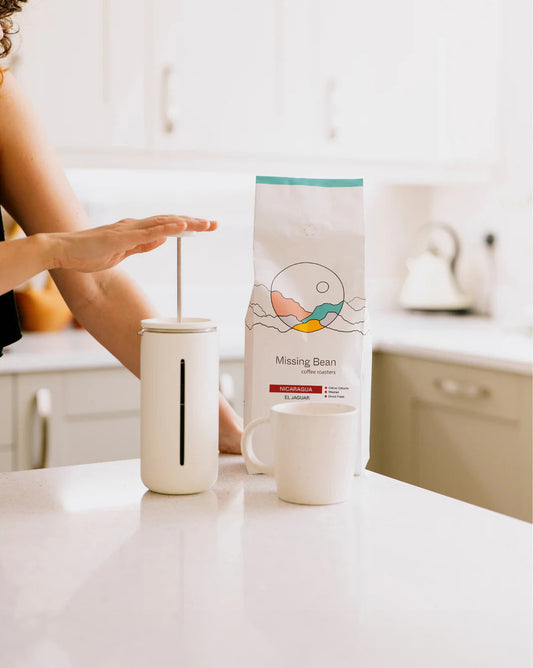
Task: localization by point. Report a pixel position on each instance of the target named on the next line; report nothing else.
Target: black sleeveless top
(9, 320)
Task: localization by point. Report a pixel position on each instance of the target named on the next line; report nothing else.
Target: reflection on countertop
(96, 570)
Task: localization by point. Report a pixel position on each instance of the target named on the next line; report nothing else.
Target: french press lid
(169, 325)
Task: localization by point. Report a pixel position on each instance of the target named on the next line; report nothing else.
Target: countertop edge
(455, 357)
(475, 342)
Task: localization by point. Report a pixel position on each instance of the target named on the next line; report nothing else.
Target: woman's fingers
(145, 234)
(171, 224)
(104, 247)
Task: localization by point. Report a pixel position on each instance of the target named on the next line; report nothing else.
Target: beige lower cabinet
(459, 430)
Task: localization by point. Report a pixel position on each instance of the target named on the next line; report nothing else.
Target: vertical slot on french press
(182, 412)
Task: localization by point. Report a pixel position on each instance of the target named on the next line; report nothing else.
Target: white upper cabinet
(378, 86)
(297, 68)
(409, 83)
(413, 81)
(213, 75)
(470, 70)
(82, 65)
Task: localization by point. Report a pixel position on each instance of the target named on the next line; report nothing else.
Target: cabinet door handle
(169, 107)
(43, 411)
(455, 388)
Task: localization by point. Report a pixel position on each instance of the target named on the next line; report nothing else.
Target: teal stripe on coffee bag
(323, 183)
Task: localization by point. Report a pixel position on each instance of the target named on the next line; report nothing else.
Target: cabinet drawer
(6, 410)
(479, 391)
(100, 391)
(457, 430)
(6, 460)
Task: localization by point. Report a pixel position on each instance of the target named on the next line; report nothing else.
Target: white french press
(179, 401)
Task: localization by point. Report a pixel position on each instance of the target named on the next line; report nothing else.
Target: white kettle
(431, 283)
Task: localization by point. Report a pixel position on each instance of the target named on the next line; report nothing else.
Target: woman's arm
(35, 191)
(22, 259)
(89, 250)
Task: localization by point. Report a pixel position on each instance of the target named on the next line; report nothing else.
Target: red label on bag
(297, 389)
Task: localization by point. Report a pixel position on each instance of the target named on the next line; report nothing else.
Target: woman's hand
(104, 247)
(89, 250)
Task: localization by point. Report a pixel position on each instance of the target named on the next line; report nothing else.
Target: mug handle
(248, 449)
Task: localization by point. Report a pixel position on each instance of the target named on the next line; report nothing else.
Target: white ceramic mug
(315, 449)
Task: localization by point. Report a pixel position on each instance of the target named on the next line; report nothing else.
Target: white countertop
(55, 351)
(96, 571)
(74, 349)
(471, 340)
(463, 339)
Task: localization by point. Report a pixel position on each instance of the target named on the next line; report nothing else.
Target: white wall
(393, 217)
(503, 205)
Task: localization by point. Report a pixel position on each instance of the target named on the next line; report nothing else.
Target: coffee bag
(307, 328)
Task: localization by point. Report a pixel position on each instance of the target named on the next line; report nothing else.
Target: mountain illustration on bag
(306, 297)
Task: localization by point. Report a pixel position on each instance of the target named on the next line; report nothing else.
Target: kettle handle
(456, 244)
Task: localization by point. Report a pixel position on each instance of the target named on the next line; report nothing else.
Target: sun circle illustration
(307, 296)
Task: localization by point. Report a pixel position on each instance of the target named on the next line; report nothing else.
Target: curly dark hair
(7, 8)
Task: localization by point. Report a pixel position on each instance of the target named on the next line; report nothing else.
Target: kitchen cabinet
(80, 416)
(409, 82)
(212, 75)
(455, 429)
(82, 65)
(412, 83)
(76, 417)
